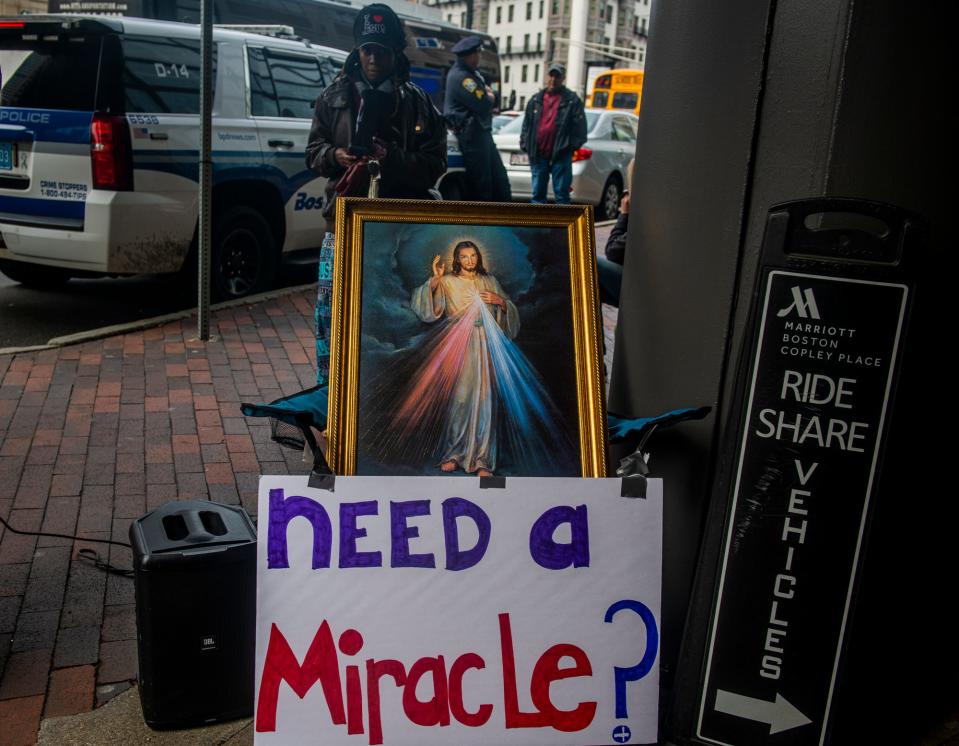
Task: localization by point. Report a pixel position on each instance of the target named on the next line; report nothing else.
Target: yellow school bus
(618, 89)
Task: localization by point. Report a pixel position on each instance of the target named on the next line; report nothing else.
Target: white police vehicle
(99, 141)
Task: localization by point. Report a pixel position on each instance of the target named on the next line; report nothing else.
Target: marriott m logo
(804, 302)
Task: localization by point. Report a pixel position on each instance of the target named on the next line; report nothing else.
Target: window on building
(539, 41)
(642, 25)
(506, 74)
(541, 4)
(536, 73)
(525, 42)
(523, 74)
(609, 14)
(640, 56)
(522, 103)
(554, 9)
(529, 11)
(499, 13)
(606, 41)
(509, 43)
(449, 17)
(463, 19)
(509, 14)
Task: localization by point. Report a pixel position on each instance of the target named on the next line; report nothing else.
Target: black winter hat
(378, 24)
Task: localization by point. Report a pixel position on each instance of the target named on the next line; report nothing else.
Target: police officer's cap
(467, 46)
(378, 24)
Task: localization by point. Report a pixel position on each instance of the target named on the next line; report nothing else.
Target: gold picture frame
(575, 372)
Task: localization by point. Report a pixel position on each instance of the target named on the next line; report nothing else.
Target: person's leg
(476, 163)
(540, 172)
(501, 187)
(321, 316)
(610, 277)
(562, 172)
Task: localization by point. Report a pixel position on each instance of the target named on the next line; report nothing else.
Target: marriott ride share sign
(818, 397)
(426, 610)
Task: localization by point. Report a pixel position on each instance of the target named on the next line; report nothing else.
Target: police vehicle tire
(609, 201)
(34, 275)
(244, 257)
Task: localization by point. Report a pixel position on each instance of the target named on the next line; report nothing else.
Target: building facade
(530, 34)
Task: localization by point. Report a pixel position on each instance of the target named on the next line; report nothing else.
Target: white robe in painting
(470, 433)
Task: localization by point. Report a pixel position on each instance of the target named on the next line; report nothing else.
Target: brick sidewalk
(93, 436)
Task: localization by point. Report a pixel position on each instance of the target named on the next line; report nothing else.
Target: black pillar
(747, 105)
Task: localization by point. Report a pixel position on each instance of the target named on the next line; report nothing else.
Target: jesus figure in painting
(473, 298)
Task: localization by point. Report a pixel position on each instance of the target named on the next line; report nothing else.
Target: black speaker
(195, 580)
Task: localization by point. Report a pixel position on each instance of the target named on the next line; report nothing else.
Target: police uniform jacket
(414, 160)
(570, 124)
(467, 106)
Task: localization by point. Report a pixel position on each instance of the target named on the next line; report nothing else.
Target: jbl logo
(804, 302)
(208, 643)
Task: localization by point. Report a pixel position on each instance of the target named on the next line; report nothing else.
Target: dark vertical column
(704, 78)
(746, 106)
(894, 140)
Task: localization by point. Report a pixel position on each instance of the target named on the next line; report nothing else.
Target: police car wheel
(244, 254)
(34, 275)
(609, 202)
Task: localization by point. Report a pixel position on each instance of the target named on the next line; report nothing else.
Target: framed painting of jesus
(466, 339)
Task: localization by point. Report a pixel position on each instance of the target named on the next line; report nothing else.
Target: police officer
(469, 112)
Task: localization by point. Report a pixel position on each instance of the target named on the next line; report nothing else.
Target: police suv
(99, 143)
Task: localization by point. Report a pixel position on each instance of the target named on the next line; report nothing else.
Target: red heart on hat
(378, 19)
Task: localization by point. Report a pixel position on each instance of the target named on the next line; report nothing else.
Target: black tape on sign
(633, 486)
(492, 483)
(322, 481)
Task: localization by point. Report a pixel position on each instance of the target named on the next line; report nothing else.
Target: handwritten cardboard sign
(425, 610)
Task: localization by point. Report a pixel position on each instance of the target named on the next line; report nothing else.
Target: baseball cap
(378, 24)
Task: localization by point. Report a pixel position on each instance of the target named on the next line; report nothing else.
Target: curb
(139, 325)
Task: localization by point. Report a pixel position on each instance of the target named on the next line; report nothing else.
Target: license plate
(8, 156)
(518, 159)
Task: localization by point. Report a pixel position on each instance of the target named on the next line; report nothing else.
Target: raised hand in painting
(439, 269)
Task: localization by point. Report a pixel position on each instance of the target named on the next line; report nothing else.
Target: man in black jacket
(371, 110)
(468, 108)
(554, 127)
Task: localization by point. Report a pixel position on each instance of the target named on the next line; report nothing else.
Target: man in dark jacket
(371, 111)
(468, 109)
(554, 126)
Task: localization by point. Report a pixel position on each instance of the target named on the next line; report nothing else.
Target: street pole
(204, 232)
(576, 52)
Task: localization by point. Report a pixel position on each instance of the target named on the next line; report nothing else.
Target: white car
(599, 167)
(99, 141)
